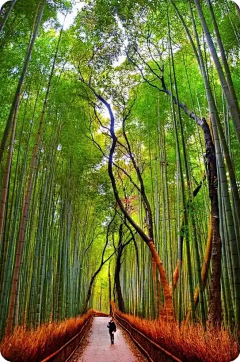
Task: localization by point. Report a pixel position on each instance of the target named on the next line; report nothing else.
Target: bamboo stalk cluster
(145, 196)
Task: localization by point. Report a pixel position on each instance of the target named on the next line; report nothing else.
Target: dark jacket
(111, 326)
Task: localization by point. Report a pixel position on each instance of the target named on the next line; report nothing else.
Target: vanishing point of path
(97, 348)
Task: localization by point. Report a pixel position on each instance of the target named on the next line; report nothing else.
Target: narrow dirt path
(97, 348)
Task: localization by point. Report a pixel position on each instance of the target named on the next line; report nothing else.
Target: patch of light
(101, 164)
(101, 130)
(237, 2)
(121, 58)
(105, 114)
(15, 70)
(101, 190)
(67, 21)
(119, 61)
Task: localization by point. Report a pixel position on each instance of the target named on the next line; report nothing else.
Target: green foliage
(118, 50)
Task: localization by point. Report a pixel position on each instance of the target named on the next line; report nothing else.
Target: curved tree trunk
(167, 290)
(169, 311)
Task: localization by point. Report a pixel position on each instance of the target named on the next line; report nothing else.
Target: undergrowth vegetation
(190, 343)
(35, 345)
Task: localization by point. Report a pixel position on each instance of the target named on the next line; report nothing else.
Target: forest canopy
(119, 160)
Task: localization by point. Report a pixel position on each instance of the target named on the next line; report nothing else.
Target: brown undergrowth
(35, 345)
(188, 342)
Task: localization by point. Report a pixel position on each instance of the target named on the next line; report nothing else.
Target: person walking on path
(112, 328)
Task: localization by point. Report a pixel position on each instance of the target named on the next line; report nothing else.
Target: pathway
(99, 349)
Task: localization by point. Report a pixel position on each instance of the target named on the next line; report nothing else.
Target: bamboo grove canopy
(119, 160)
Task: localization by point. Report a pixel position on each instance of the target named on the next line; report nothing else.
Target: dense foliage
(120, 132)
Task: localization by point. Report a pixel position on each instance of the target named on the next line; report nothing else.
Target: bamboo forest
(120, 180)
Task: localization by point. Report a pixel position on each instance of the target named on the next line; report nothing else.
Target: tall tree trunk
(121, 304)
(238, 11)
(8, 126)
(185, 209)
(205, 268)
(182, 234)
(215, 119)
(216, 125)
(7, 173)
(232, 106)
(215, 310)
(27, 201)
(214, 314)
(223, 56)
(6, 16)
(109, 288)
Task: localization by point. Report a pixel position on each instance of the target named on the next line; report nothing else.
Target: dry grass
(188, 342)
(35, 345)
